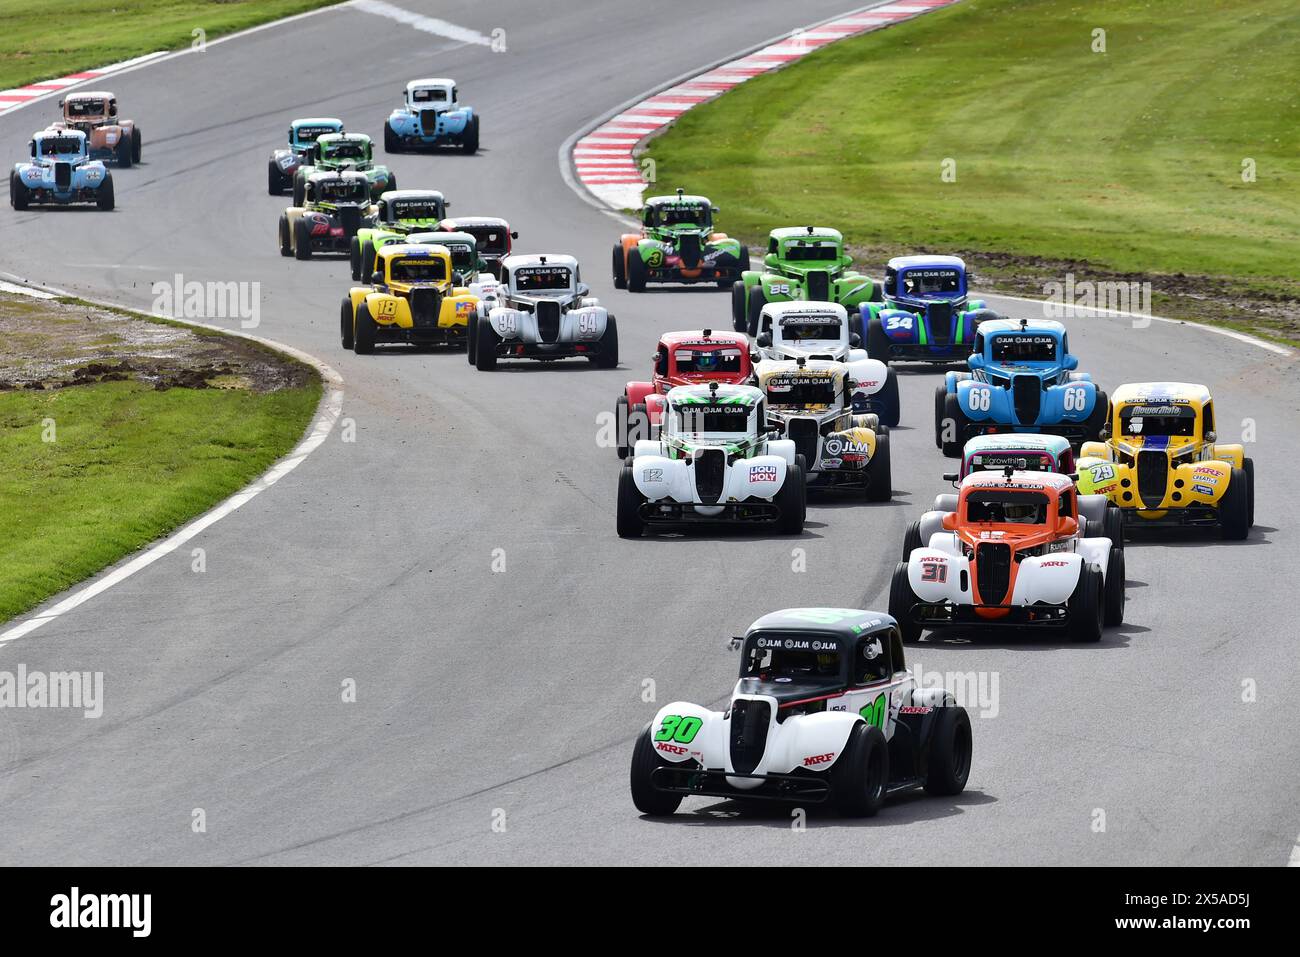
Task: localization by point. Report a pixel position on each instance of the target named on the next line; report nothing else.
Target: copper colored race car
(111, 139)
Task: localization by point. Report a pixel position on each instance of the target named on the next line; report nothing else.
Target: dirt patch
(55, 344)
(1261, 307)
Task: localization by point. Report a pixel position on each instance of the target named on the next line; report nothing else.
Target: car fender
(853, 447)
(784, 448)
(868, 376)
(1204, 482)
(950, 380)
(982, 401)
(636, 392)
(682, 731)
(813, 742)
(902, 327)
(513, 323)
(389, 310)
(1094, 550)
(1099, 476)
(936, 575)
(457, 308)
(583, 324)
(485, 286)
(1061, 403)
(932, 524)
(1050, 578)
(761, 476)
(1235, 455)
(402, 122)
(658, 477)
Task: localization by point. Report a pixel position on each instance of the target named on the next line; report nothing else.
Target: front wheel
(469, 144)
(628, 519)
(302, 240)
(1234, 507)
(792, 502)
(607, 357)
(645, 761)
(364, 337)
(1085, 609)
(345, 322)
(952, 434)
(859, 776)
(738, 307)
(637, 274)
(274, 183)
(354, 258)
(879, 476)
(1114, 614)
(754, 309)
(949, 761)
(104, 198)
(19, 195)
(1097, 420)
(911, 539)
(485, 350)
(286, 248)
(471, 338)
(877, 340)
(392, 143)
(886, 403)
(1113, 523)
(123, 152)
(137, 144)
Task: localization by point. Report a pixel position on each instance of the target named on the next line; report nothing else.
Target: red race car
(683, 358)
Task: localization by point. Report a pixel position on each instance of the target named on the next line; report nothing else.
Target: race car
(1013, 553)
(108, 137)
(431, 116)
(802, 262)
(825, 712)
(467, 268)
(1022, 379)
(820, 330)
(284, 162)
(414, 299)
(713, 462)
(542, 311)
(1098, 517)
(61, 173)
(1162, 464)
(397, 214)
(494, 237)
(335, 206)
(677, 243)
(810, 402)
(926, 315)
(339, 153)
(681, 358)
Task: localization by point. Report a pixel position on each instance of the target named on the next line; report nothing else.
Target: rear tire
(469, 142)
(301, 240)
(628, 519)
(19, 195)
(367, 254)
(1234, 507)
(607, 357)
(792, 501)
(880, 486)
(738, 307)
(623, 424)
(286, 248)
(1248, 466)
(858, 778)
(885, 403)
(636, 271)
(123, 152)
(299, 189)
(754, 309)
(1114, 612)
(911, 539)
(901, 600)
(345, 323)
(1097, 421)
(471, 338)
(645, 761)
(619, 267)
(104, 197)
(274, 181)
(354, 258)
(940, 398)
(137, 144)
(392, 143)
(1085, 621)
(364, 336)
(949, 761)
(1114, 524)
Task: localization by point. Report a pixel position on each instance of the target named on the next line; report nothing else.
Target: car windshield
(342, 191)
(931, 282)
(309, 134)
(800, 251)
(684, 215)
(58, 145)
(767, 659)
(418, 269)
(711, 418)
(77, 108)
(810, 328)
(492, 240)
(1022, 461)
(1016, 508)
(1021, 348)
(1177, 420)
(431, 95)
(542, 278)
(406, 209)
(346, 151)
(785, 392)
(707, 361)
(462, 256)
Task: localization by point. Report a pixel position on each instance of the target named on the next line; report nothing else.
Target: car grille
(1027, 396)
(710, 474)
(426, 302)
(429, 121)
(548, 320)
(939, 315)
(688, 247)
(819, 285)
(350, 219)
(749, 725)
(1153, 476)
(804, 433)
(992, 571)
(62, 175)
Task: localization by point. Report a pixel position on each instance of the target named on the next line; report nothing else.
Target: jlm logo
(102, 910)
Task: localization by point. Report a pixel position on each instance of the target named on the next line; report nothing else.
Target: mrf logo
(671, 748)
(815, 759)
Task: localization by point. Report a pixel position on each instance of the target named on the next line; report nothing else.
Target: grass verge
(1133, 162)
(41, 41)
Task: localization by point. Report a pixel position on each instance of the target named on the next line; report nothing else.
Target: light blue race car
(61, 173)
(1022, 378)
(431, 117)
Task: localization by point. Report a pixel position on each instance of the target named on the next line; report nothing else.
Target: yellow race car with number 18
(1161, 463)
(412, 298)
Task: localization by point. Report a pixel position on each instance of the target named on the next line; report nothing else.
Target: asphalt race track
(482, 692)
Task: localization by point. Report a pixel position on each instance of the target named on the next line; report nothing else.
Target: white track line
(327, 414)
(420, 22)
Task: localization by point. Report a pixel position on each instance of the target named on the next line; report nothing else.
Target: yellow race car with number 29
(412, 298)
(1162, 464)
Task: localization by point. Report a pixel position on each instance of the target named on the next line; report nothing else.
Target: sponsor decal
(1056, 563)
(1202, 489)
(797, 644)
(652, 475)
(815, 759)
(763, 473)
(914, 709)
(671, 748)
(1207, 475)
(835, 445)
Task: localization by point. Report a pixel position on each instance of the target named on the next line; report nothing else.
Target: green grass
(40, 41)
(128, 465)
(1128, 161)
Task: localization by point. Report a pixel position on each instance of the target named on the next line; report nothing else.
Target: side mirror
(1104, 434)
(112, 110)
(1074, 476)
(950, 522)
(31, 148)
(975, 360)
(1067, 526)
(770, 260)
(1211, 436)
(765, 339)
(734, 644)
(582, 289)
(855, 340)
(514, 234)
(445, 204)
(1070, 363)
(950, 476)
(377, 277)
(715, 209)
(846, 260)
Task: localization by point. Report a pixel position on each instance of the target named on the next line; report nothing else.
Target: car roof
(444, 235)
(411, 194)
(674, 200)
(1039, 326)
(430, 81)
(342, 137)
(318, 121)
(818, 232)
(848, 623)
(348, 174)
(1015, 442)
(805, 307)
(477, 221)
(1039, 481)
(907, 262)
(739, 394)
(53, 131)
(536, 259)
(1160, 391)
(414, 250)
(91, 95)
(696, 337)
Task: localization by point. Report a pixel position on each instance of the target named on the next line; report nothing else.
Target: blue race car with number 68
(1022, 379)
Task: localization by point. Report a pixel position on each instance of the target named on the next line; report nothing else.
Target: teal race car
(343, 152)
(400, 213)
(802, 262)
